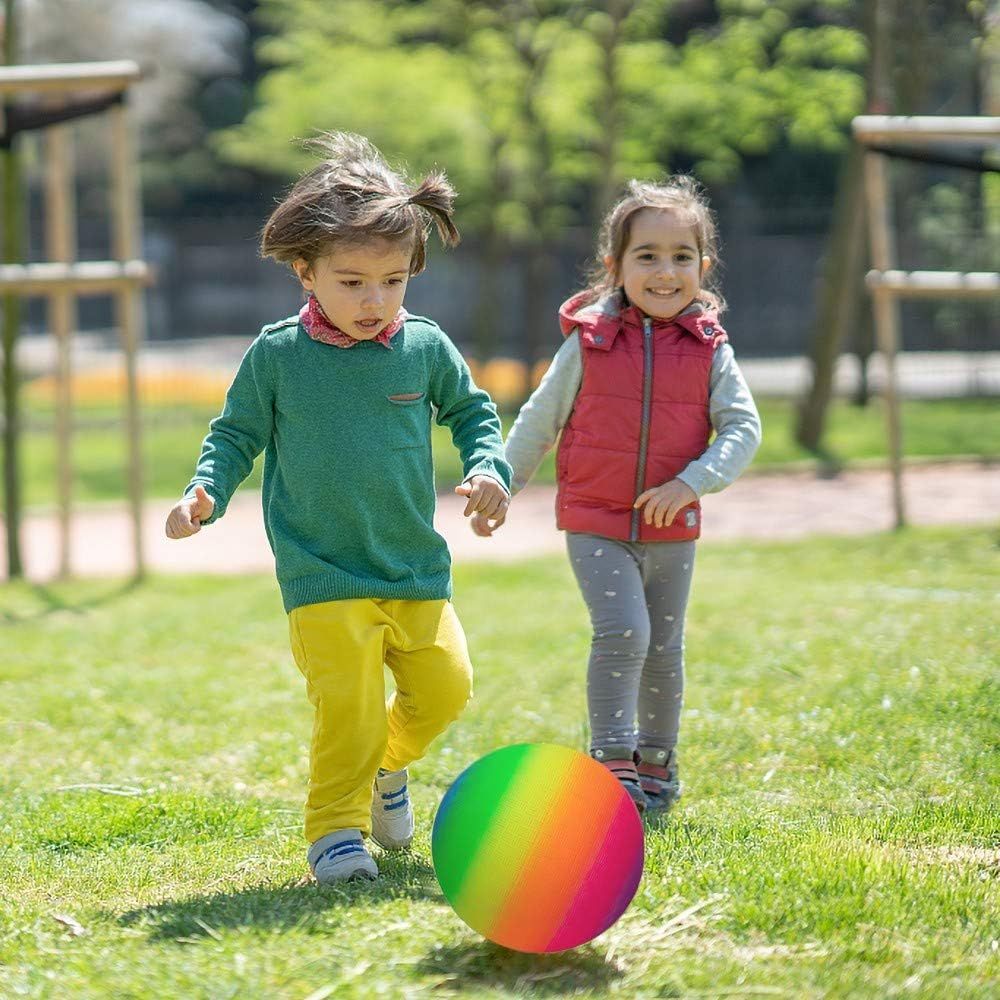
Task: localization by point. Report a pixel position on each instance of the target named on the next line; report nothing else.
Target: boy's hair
(353, 197)
(681, 195)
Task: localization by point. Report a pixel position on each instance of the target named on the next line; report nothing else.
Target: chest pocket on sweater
(408, 420)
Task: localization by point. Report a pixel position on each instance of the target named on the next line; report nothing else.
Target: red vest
(640, 417)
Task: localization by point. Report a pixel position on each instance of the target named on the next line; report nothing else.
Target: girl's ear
(706, 265)
(304, 273)
(609, 265)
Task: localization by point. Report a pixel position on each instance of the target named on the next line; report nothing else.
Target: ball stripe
(563, 847)
(506, 844)
(607, 888)
(466, 813)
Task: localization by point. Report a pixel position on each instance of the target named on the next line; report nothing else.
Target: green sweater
(348, 490)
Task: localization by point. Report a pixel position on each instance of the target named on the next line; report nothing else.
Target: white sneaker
(392, 813)
(341, 856)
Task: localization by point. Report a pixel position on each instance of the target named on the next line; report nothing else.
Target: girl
(644, 377)
(339, 398)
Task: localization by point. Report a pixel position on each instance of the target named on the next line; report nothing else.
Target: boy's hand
(484, 525)
(486, 496)
(186, 517)
(663, 502)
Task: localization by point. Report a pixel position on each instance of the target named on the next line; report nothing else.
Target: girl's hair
(353, 197)
(681, 195)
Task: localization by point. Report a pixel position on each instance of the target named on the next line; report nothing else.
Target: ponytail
(437, 198)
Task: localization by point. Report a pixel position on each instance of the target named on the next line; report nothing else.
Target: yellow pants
(340, 647)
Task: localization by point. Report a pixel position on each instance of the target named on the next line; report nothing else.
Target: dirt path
(785, 506)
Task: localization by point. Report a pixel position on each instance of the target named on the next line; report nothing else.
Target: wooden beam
(977, 129)
(85, 278)
(69, 77)
(936, 284)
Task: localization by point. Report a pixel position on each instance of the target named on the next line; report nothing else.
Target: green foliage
(824, 46)
(516, 100)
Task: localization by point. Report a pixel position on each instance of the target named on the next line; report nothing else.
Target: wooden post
(12, 215)
(60, 238)
(126, 218)
(883, 255)
(881, 243)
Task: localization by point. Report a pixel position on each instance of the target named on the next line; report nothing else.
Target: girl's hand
(486, 496)
(186, 517)
(484, 525)
(663, 502)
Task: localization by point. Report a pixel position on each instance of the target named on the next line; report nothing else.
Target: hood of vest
(601, 321)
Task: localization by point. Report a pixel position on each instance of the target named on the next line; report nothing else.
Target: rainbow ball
(538, 847)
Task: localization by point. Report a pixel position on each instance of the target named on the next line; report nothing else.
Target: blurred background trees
(539, 110)
(195, 55)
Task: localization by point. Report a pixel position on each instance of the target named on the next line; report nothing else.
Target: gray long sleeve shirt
(732, 412)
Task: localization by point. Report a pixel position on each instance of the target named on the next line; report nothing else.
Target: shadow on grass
(490, 966)
(52, 602)
(293, 905)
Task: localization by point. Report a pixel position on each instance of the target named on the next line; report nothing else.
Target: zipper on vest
(647, 404)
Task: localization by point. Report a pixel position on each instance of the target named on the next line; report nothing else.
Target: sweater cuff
(496, 469)
(697, 479)
(489, 475)
(220, 506)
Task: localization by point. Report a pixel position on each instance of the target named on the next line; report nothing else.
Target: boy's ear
(304, 272)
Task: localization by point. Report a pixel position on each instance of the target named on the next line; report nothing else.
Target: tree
(180, 44)
(840, 291)
(175, 41)
(539, 109)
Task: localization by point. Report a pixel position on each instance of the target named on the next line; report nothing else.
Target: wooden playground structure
(62, 278)
(887, 284)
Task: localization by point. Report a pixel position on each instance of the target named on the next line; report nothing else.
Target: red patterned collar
(316, 324)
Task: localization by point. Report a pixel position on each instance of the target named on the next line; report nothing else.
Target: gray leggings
(636, 593)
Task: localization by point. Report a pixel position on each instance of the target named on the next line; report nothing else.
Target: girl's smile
(661, 268)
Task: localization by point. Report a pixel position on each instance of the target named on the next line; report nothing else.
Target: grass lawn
(839, 834)
(932, 429)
